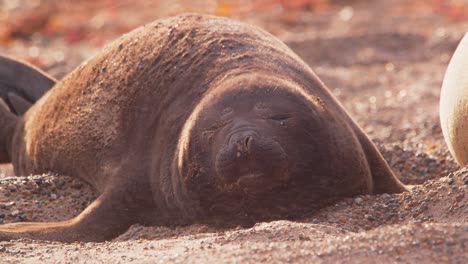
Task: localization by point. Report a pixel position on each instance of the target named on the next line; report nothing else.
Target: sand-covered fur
(182, 121)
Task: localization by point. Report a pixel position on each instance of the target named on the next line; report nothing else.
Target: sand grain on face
(389, 79)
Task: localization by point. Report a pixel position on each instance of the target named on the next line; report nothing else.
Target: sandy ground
(385, 63)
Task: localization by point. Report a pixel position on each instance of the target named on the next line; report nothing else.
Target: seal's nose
(243, 141)
(248, 142)
(249, 158)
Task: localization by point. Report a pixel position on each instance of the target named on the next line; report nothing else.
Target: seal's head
(259, 143)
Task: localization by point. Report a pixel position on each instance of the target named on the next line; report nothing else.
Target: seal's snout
(249, 159)
(244, 142)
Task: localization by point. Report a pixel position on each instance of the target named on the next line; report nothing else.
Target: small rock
(38, 181)
(53, 196)
(450, 180)
(7, 205)
(29, 216)
(15, 213)
(342, 219)
(358, 200)
(59, 184)
(386, 196)
(369, 217)
(465, 179)
(12, 188)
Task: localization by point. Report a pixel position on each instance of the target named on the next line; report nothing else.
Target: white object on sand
(454, 104)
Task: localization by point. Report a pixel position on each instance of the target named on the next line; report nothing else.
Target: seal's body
(194, 119)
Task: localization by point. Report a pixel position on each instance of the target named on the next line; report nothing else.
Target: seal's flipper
(383, 178)
(19, 104)
(23, 80)
(3, 106)
(8, 123)
(104, 219)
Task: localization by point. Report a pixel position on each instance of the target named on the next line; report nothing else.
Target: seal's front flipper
(108, 216)
(22, 80)
(8, 123)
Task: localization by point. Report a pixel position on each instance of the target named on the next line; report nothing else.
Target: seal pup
(191, 119)
(454, 104)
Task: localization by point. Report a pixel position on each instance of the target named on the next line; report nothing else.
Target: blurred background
(29, 26)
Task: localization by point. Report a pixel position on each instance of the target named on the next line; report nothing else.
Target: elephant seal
(193, 119)
(454, 104)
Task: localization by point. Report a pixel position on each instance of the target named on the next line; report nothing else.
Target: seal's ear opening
(21, 84)
(8, 123)
(383, 178)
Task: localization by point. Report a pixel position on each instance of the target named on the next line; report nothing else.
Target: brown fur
(130, 122)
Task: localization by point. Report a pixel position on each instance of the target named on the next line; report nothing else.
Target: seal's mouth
(250, 162)
(250, 179)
